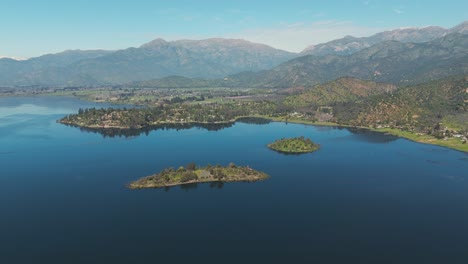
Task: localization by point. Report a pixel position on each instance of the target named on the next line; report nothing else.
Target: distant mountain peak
(206, 58)
(154, 43)
(460, 28)
(215, 40)
(388, 61)
(207, 43)
(349, 45)
(308, 49)
(242, 60)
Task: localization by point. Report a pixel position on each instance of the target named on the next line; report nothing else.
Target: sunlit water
(362, 198)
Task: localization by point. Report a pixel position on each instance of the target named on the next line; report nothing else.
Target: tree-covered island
(297, 145)
(193, 174)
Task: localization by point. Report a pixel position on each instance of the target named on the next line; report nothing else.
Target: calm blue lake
(363, 198)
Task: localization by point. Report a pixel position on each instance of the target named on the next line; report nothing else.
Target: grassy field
(453, 143)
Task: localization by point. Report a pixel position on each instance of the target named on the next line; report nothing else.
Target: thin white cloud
(217, 19)
(320, 14)
(167, 11)
(293, 37)
(247, 20)
(398, 11)
(298, 24)
(190, 18)
(13, 58)
(235, 11)
(297, 36)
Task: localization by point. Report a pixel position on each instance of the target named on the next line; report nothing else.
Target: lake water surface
(362, 198)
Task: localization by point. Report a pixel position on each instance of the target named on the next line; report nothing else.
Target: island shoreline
(192, 174)
(395, 132)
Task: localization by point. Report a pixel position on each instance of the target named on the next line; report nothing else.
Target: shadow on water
(371, 136)
(254, 120)
(328, 128)
(189, 187)
(132, 132)
(360, 133)
(292, 153)
(194, 186)
(216, 185)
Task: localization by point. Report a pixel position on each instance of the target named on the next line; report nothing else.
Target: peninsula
(168, 114)
(297, 145)
(193, 174)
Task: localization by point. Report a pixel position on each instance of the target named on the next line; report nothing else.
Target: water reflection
(360, 133)
(216, 185)
(116, 132)
(327, 128)
(188, 187)
(254, 120)
(194, 186)
(291, 153)
(371, 136)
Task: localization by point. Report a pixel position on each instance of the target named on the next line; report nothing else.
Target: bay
(364, 197)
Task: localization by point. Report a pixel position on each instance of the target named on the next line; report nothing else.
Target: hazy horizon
(35, 29)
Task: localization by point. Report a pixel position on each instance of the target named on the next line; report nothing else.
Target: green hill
(421, 107)
(342, 90)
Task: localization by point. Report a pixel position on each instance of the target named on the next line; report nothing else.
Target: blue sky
(30, 28)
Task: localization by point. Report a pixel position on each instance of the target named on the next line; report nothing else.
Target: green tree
(191, 166)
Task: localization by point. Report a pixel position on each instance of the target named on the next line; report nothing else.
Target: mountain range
(398, 57)
(389, 61)
(350, 45)
(210, 58)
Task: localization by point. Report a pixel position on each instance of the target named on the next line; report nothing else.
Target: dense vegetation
(297, 145)
(193, 174)
(423, 108)
(345, 89)
(169, 114)
(438, 108)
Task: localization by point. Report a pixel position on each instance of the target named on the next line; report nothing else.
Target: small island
(193, 174)
(299, 145)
